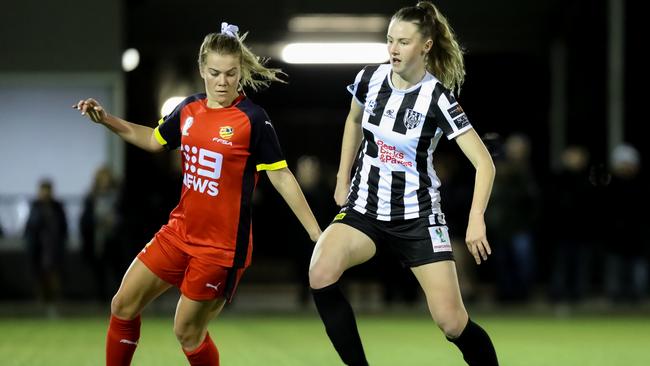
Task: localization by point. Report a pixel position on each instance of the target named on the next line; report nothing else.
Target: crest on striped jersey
(412, 119)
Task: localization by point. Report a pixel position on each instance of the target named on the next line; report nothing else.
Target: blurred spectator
(626, 267)
(571, 227)
(46, 232)
(101, 240)
(514, 208)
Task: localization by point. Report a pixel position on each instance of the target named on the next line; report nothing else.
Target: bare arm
(285, 183)
(138, 135)
(349, 148)
(476, 237)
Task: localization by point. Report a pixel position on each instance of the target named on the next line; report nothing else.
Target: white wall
(42, 136)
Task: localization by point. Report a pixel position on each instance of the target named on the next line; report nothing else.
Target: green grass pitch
(286, 340)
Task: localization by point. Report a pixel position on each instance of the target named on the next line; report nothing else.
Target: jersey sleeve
(168, 132)
(355, 88)
(450, 116)
(267, 152)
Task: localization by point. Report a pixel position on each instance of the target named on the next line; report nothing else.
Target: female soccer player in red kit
(224, 139)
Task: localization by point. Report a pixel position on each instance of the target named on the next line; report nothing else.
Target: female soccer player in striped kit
(399, 111)
(224, 140)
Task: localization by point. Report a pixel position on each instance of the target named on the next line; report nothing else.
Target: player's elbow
(281, 178)
(486, 167)
(153, 145)
(154, 148)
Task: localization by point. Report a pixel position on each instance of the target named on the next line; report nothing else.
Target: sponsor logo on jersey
(461, 121)
(222, 141)
(455, 111)
(370, 107)
(412, 119)
(202, 169)
(226, 132)
(186, 126)
(340, 216)
(389, 154)
(390, 113)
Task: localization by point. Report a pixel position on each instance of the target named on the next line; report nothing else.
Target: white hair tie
(229, 29)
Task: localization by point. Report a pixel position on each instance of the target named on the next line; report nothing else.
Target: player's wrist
(342, 177)
(314, 236)
(475, 213)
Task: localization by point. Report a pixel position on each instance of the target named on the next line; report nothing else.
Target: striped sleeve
(359, 89)
(451, 117)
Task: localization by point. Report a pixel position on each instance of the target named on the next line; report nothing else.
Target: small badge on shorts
(440, 239)
(339, 216)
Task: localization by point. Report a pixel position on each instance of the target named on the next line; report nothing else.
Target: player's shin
(204, 355)
(121, 340)
(476, 346)
(340, 324)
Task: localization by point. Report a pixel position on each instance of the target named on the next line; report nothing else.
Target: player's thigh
(439, 282)
(138, 288)
(341, 247)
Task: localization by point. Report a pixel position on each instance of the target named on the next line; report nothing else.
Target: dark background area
(507, 89)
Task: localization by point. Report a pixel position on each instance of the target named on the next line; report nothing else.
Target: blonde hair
(445, 58)
(253, 72)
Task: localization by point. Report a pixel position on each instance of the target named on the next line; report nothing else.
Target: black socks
(476, 346)
(337, 316)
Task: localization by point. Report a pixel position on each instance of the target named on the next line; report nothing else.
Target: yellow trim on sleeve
(159, 137)
(161, 121)
(275, 166)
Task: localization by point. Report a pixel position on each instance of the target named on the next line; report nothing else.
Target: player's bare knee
(319, 278)
(122, 308)
(188, 336)
(452, 325)
(323, 275)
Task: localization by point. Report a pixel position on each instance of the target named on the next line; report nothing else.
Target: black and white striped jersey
(394, 177)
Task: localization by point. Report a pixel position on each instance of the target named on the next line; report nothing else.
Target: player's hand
(341, 191)
(476, 239)
(91, 108)
(314, 237)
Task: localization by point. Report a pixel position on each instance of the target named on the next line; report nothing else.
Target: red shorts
(198, 277)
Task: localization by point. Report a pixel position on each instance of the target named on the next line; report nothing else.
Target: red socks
(121, 341)
(205, 355)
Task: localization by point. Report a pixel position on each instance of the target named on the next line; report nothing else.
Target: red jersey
(222, 150)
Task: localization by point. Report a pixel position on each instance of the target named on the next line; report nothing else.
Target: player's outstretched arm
(138, 135)
(477, 153)
(285, 183)
(349, 148)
